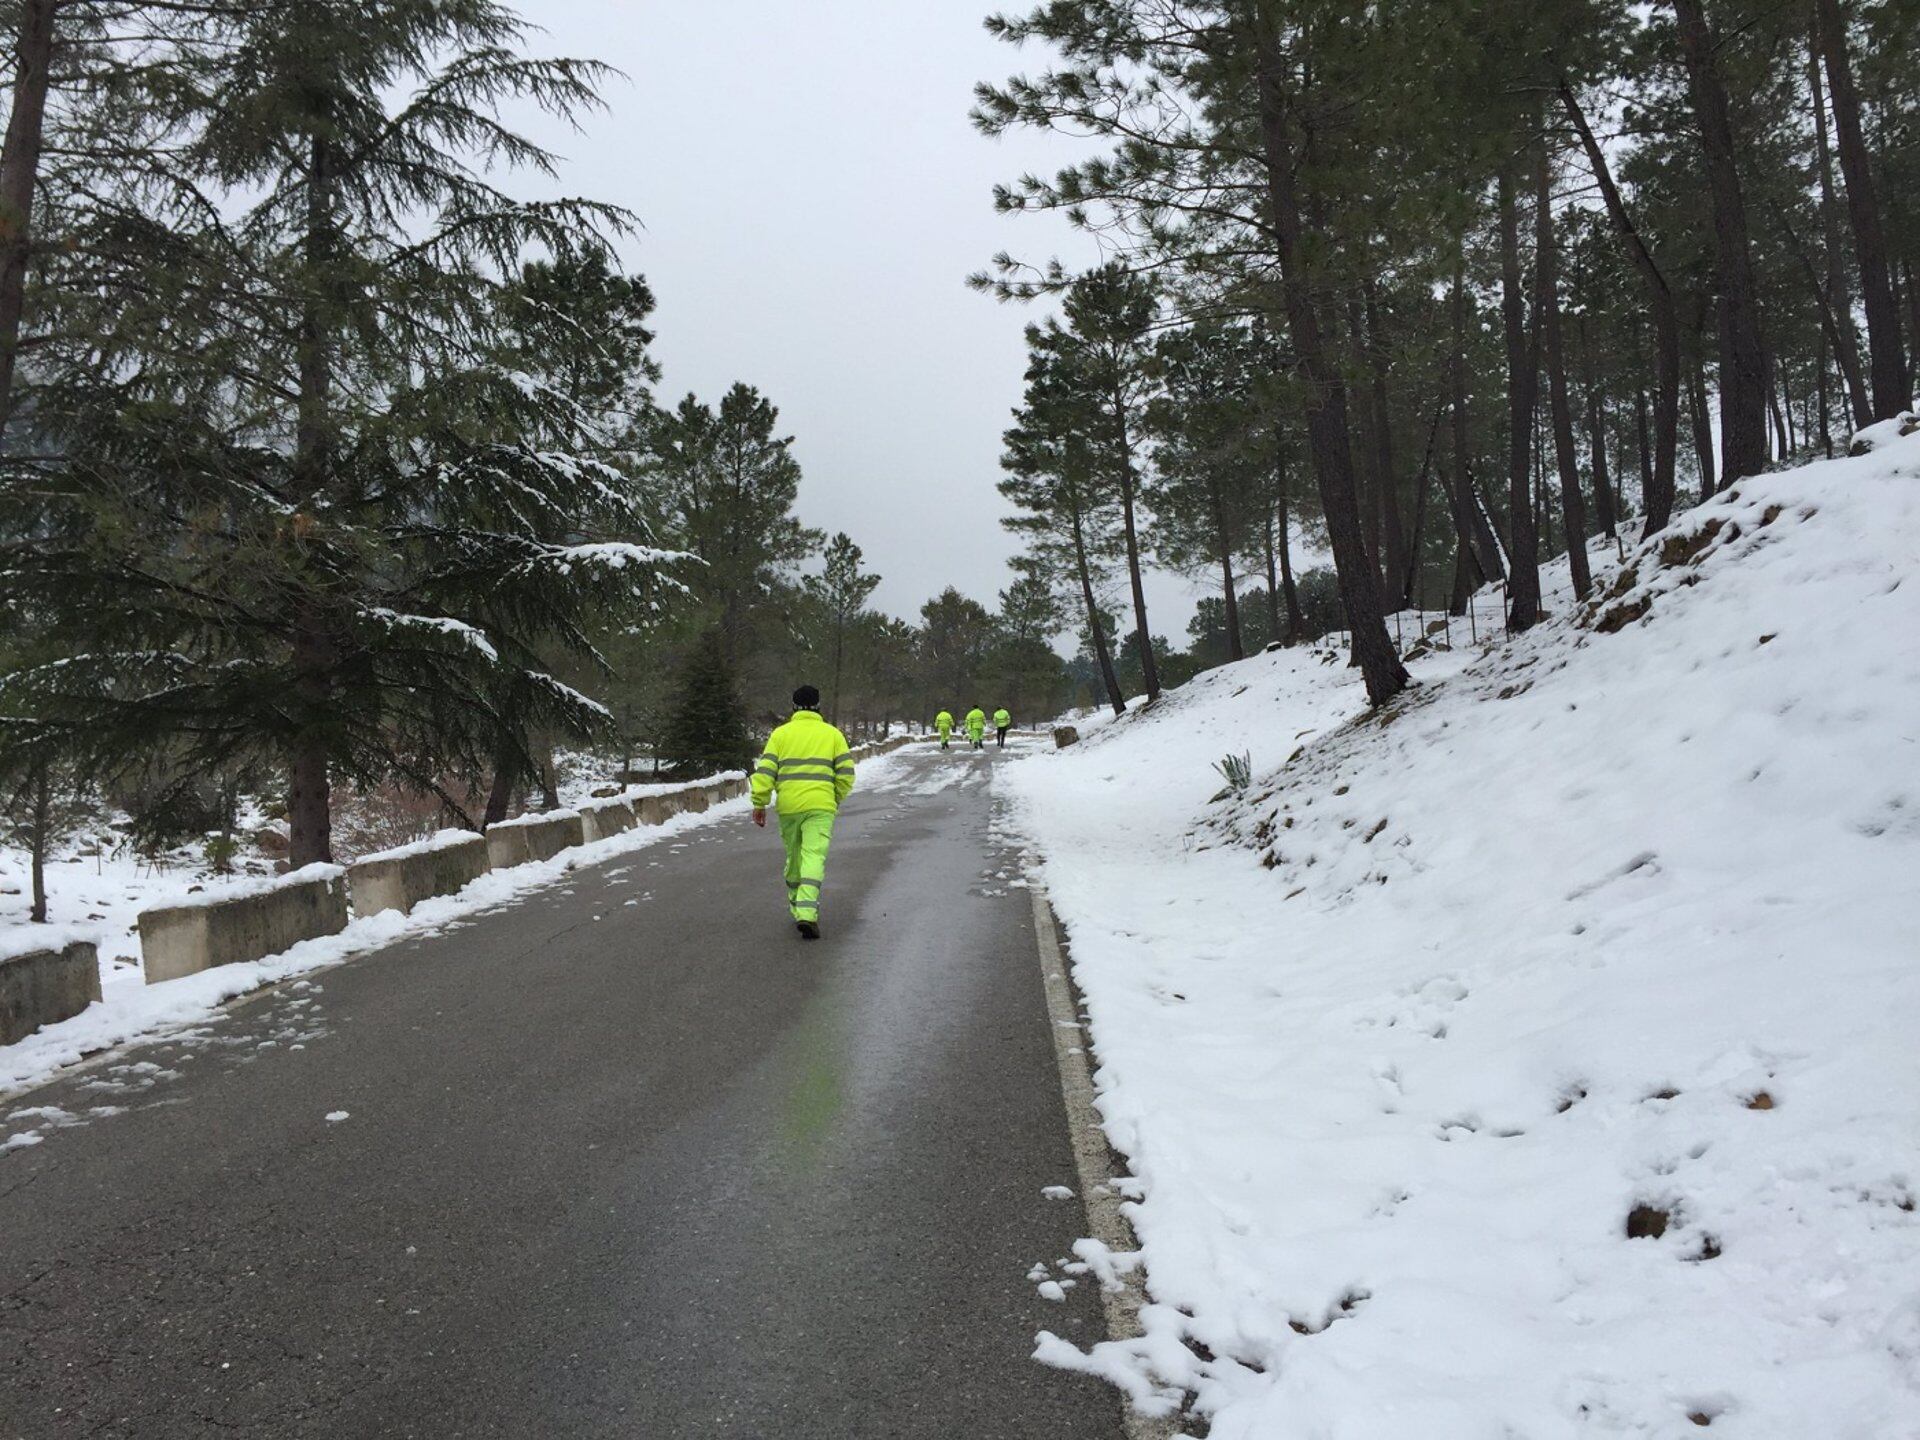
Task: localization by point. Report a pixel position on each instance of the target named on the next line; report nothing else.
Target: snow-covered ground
(1609, 930)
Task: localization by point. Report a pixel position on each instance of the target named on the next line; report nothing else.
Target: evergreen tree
(1213, 461)
(724, 486)
(1069, 521)
(841, 591)
(956, 634)
(706, 731)
(292, 493)
(1024, 671)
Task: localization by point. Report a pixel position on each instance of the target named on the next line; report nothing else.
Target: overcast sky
(814, 198)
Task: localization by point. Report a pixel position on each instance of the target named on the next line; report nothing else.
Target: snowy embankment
(1534, 1058)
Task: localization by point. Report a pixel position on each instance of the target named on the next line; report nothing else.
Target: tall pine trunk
(1913, 308)
(19, 170)
(1393, 540)
(1743, 364)
(1782, 428)
(1837, 306)
(1103, 656)
(1886, 362)
(1326, 398)
(1129, 486)
(1523, 547)
(39, 836)
(1657, 491)
(1223, 543)
(1573, 508)
(1470, 521)
(1366, 483)
(1296, 620)
(1603, 506)
(1835, 329)
(1821, 401)
(1702, 419)
(1273, 578)
(1408, 580)
(314, 651)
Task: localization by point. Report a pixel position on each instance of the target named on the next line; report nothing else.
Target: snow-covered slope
(1612, 929)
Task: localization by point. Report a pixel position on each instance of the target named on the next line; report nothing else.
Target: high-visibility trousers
(806, 836)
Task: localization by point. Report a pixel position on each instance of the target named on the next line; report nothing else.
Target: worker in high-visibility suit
(808, 768)
(977, 728)
(943, 722)
(1002, 722)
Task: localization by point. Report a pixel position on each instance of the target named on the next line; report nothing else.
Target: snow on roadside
(1591, 935)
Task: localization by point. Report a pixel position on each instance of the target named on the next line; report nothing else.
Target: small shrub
(220, 850)
(1237, 771)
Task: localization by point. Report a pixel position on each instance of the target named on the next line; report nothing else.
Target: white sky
(814, 198)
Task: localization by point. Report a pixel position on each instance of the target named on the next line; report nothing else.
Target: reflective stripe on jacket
(807, 762)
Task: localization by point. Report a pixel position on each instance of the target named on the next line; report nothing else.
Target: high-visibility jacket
(943, 722)
(1001, 719)
(807, 763)
(976, 722)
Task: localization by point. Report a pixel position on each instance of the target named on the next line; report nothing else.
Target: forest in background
(1458, 282)
(330, 465)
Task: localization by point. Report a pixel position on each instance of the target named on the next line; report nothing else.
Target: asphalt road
(626, 1158)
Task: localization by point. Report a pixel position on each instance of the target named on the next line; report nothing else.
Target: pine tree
(707, 729)
(301, 499)
(723, 486)
(956, 634)
(1106, 355)
(1069, 521)
(1213, 426)
(841, 591)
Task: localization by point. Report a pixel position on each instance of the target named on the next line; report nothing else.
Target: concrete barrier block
(555, 833)
(655, 809)
(400, 879)
(694, 801)
(507, 846)
(43, 987)
(230, 928)
(533, 837)
(604, 818)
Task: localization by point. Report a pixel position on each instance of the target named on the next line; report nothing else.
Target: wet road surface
(626, 1158)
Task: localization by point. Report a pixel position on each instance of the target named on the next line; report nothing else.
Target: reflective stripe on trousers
(806, 836)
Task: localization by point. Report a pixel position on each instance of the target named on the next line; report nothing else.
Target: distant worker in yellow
(1002, 722)
(977, 728)
(943, 722)
(808, 767)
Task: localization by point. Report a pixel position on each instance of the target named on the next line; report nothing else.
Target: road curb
(1093, 1158)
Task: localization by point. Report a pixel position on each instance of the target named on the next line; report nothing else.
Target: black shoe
(809, 929)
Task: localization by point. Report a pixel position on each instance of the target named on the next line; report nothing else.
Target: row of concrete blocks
(41, 987)
(44, 986)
